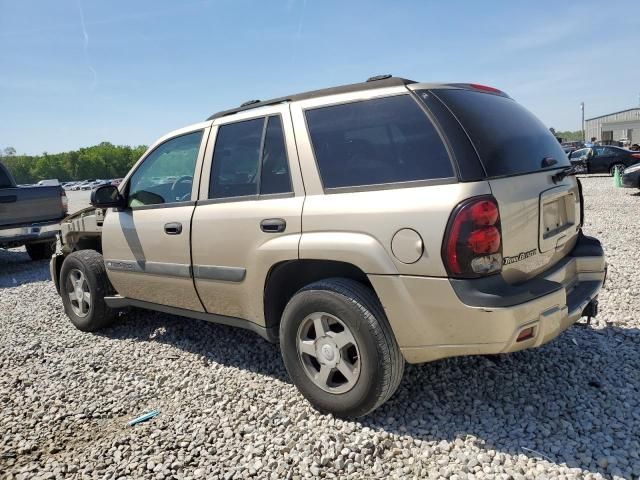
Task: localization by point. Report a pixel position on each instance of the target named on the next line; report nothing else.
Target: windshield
(509, 139)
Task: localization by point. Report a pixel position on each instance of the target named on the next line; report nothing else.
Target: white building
(615, 126)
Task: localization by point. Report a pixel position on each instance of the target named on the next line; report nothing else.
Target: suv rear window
(510, 140)
(378, 141)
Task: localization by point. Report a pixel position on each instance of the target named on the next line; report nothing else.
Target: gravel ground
(78, 199)
(570, 409)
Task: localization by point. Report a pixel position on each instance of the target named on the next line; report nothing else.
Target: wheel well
(88, 242)
(286, 278)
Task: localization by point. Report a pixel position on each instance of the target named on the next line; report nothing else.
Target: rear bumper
(434, 318)
(35, 232)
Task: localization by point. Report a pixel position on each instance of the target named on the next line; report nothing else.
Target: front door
(146, 245)
(249, 214)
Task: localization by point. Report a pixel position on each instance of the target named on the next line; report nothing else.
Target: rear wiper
(562, 174)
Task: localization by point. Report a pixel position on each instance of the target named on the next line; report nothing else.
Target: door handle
(273, 225)
(174, 228)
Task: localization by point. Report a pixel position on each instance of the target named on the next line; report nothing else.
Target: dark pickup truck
(30, 216)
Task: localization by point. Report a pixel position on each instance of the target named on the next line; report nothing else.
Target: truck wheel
(41, 250)
(339, 349)
(83, 286)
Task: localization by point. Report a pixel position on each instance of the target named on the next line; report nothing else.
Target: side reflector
(525, 334)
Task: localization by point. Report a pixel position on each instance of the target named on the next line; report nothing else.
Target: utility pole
(582, 108)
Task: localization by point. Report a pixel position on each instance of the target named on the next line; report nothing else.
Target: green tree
(99, 161)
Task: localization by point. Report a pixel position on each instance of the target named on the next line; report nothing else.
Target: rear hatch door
(540, 214)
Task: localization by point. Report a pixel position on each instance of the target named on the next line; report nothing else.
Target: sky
(74, 73)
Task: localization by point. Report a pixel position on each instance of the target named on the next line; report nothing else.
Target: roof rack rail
(379, 81)
(379, 77)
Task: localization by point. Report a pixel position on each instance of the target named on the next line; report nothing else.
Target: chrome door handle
(173, 228)
(273, 225)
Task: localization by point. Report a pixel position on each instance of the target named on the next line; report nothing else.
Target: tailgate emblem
(518, 258)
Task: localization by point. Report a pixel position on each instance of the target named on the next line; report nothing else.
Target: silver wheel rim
(78, 293)
(328, 352)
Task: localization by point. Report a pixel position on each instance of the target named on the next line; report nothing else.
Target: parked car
(569, 147)
(49, 182)
(604, 159)
(631, 176)
(438, 220)
(30, 216)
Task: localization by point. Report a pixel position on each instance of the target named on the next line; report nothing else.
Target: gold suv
(359, 226)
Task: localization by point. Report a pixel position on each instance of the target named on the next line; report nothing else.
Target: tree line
(568, 136)
(99, 161)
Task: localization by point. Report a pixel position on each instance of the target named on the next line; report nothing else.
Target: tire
(95, 314)
(619, 166)
(41, 250)
(373, 360)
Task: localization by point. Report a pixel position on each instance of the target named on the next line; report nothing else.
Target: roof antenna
(249, 102)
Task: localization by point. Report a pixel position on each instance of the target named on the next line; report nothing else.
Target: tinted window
(376, 141)
(602, 151)
(618, 152)
(166, 175)
(5, 181)
(509, 138)
(235, 159)
(275, 166)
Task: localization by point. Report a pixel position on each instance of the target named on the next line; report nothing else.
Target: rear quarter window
(5, 181)
(378, 141)
(509, 139)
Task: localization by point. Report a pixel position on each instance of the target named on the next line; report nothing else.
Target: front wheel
(83, 286)
(339, 349)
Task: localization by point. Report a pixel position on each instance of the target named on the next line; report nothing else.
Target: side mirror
(106, 196)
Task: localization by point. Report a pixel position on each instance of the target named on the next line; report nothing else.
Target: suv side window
(275, 165)
(378, 141)
(249, 159)
(166, 175)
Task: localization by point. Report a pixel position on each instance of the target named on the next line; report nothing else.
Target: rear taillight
(636, 155)
(65, 202)
(473, 243)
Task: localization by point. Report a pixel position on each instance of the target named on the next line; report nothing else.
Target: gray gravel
(570, 409)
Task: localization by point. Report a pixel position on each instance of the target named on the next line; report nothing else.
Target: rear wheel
(339, 349)
(618, 166)
(83, 286)
(41, 250)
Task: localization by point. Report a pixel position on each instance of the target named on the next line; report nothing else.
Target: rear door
(249, 213)
(146, 245)
(539, 217)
